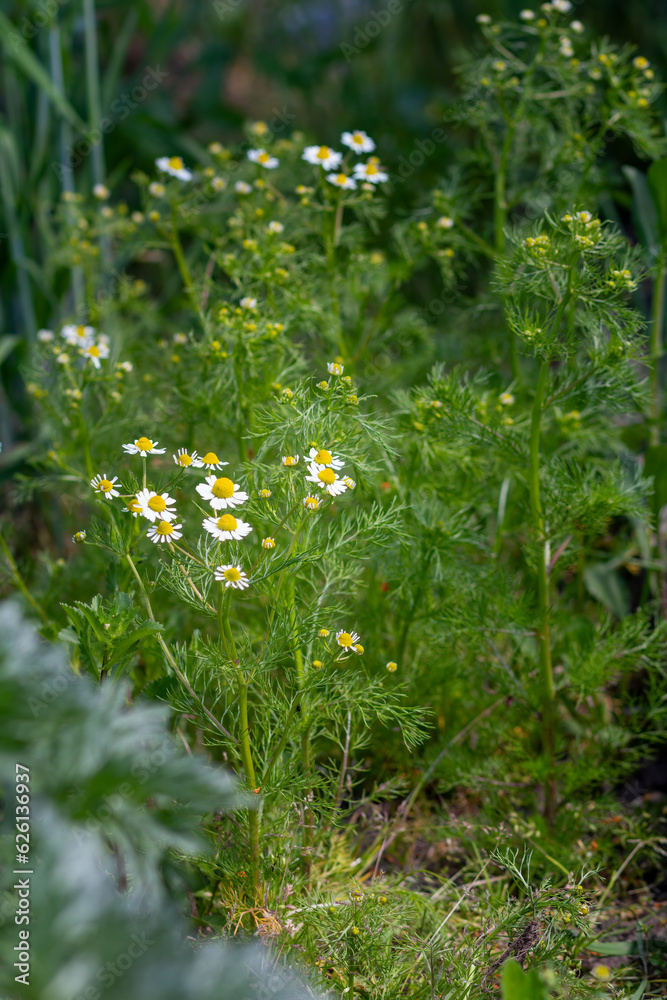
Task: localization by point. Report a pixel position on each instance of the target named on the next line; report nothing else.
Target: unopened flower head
(349, 482)
(105, 486)
(322, 156)
(358, 649)
(211, 461)
(334, 368)
(221, 492)
(323, 633)
(370, 172)
(601, 972)
(226, 527)
(358, 141)
(164, 531)
(327, 480)
(268, 543)
(346, 640)
(174, 166)
(342, 181)
(143, 446)
(264, 494)
(392, 667)
(242, 187)
(290, 460)
(506, 398)
(324, 457)
(232, 576)
(133, 507)
(263, 159)
(157, 190)
(96, 353)
(186, 458)
(156, 506)
(312, 503)
(79, 537)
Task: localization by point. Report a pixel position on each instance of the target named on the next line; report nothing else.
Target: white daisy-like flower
(79, 336)
(125, 366)
(346, 640)
(157, 190)
(156, 506)
(334, 368)
(263, 158)
(370, 172)
(173, 165)
(445, 222)
(218, 183)
(583, 216)
(290, 460)
(562, 6)
(326, 479)
(322, 156)
(527, 15)
(242, 187)
(312, 503)
(105, 486)
(211, 461)
(349, 482)
(577, 26)
(46, 336)
(247, 302)
(324, 457)
(275, 227)
(232, 576)
(96, 353)
(143, 446)
(268, 543)
(133, 507)
(358, 141)
(221, 492)
(101, 191)
(483, 19)
(186, 458)
(342, 181)
(62, 358)
(506, 398)
(225, 527)
(165, 531)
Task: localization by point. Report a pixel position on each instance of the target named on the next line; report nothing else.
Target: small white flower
(46, 336)
(322, 156)
(577, 26)
(323, 457)
(62, 358)
(232, 576)
(358, 141)
(143, 446)
(180, 338)
(157, 190)
(334, 368)
(221, 492)
(275, 227)
(248, 303)
(242, 187)
(346, 640)
(186, 458)
(290, 460)
(165, 532)
(225, 527)
(527, 15)
(263, 158)
(96, 353)
(370, 172)
(105, 486)
(312, 503)
(101, 191)
(342, 181)
(445, 222)
(78, 336)
(173, 165)
(583, 216)
(218, 183)
(326, 479)
(156, 506)
(506, 398)
(268, 543)
(483, 19)
(125, 366)
(211, 461)
(562, 6)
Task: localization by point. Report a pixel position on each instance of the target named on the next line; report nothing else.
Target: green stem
(657, 323)
(180, 257)
(19, 581)
(307, 838)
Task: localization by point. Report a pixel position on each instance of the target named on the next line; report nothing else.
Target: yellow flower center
(323, 153)
(164, 528)
(290, 460)
(184, 459)
(134, 506)
(345, 639)
(311, 503)
(223, 488)
(340, 178)
(176, 163)
(143, 444)
(157, 504)
(94, 351)
(81, 331)
(371, 169)
(210, 458)
(227, 522)
(324, 457)
(263, 157)
(327, 476)
(105, 485)
(232, 574)
(358, 138)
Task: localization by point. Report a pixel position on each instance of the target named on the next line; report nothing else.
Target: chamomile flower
(263, 158)
(342, 181)
(506, 398)
(346, 640)
(275, 227)
(156, 506)
(391, 667)
(349, 482)
(562, 6)
(46, 336)
(358, 141)
(165, 531)
(143, 446)
(326, 479)
(527, 15)
(290, 460)
(156, 189)
(242, 187)
(322, 156)
(334, 368)
(79, 336)
(445, 222)
(218, 183)
(323, 633)
(247, 302)
(105, 486)
(358, 649)
(185, 458)
(226, 527)
(370, 172)
(312, 503)
(133, 507)
(268, 543)
(577, 26)
(96, 353)
(232, 576)
(211, 461)
(221, 492)
(324, 457)
(101, 191)
(79, 537)
(264, 494)
(174, 166)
